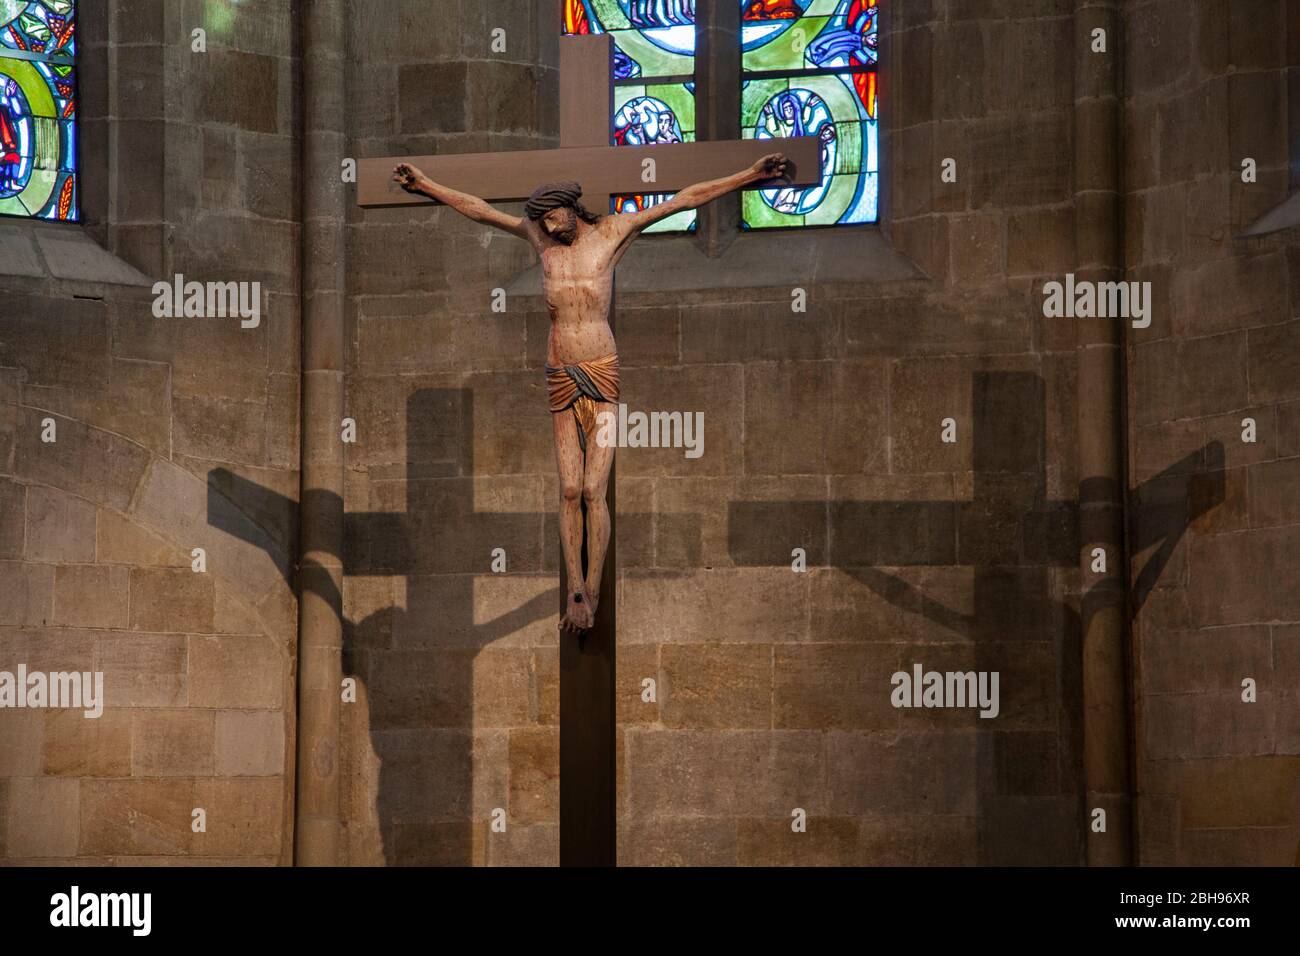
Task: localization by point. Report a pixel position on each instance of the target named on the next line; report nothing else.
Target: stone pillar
(717, 112)
(1103, 618)
(320, 636)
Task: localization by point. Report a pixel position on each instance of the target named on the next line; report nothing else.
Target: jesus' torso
(578, 281)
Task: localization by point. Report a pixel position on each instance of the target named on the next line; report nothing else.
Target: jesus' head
(556, 208)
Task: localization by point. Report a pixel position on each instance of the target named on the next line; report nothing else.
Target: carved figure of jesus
(579, 250)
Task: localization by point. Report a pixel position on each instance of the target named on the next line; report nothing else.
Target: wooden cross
(587, 712)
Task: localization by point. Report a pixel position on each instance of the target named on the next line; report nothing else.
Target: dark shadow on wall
(416, 664)
(1013, 536)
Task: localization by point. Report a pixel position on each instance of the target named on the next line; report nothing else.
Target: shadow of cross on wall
(417, 663)
(1012, 535)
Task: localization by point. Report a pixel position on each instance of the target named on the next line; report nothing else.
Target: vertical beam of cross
(586, 154)
(588, 785)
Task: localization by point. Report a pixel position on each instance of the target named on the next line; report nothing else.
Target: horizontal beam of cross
(601, 170)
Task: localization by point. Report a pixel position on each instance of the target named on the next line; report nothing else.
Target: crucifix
(579, 251)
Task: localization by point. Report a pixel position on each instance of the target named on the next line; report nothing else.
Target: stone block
(500, 687)
(89, 595)
(1275, 493)
(1257, 117)
(249, 743)
(426, 689)
(22, 737)
(892, 521)
(245, 817)
(235, 672)
(534, 775)
(803, 418)
(1274, 362)
(636, 663)
(220, 430)
(136, 817)
(924, 392)
(716, 686)
(902, 839)
(960, 46)
(143, 670)
(1225, 294)
(719, 392)
(745, 331)
(1215, 724)
(828, 841)
(500, 97)
(677, 841)
(433, 97)
(78, 746)
(13, 518)
(241, 89)
(172, 743)
(171, 599)
(43, 814)
(763, 606)
(925, 773)
(1040, 241)
(843, 686)
(977, 247)
(723, 773)
(82, 461)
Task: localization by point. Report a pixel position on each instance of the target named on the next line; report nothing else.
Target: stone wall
(172, 434)
(1208, 86)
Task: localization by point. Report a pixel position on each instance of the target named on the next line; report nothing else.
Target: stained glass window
(654, 79)
(38, 109)
(809, 69)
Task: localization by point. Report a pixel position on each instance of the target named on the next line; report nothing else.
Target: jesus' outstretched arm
(773, 166)
(413, 180)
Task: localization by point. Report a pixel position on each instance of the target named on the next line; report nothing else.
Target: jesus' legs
(568, 457)
(595, 479)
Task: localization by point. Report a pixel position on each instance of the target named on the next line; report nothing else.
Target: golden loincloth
(581, 387)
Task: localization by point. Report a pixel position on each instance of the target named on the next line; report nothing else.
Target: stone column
(320, 636)
(1106, 707)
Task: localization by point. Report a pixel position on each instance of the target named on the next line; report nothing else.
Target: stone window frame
(719, 253)
(80, 258)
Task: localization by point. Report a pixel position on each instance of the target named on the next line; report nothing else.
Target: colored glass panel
(807, 34)
(649, 114)
(652, 38)
(808, 69)
(38, 109)
(828, 107)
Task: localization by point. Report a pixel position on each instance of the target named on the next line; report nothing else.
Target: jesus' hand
(771, 166)
(407, 176)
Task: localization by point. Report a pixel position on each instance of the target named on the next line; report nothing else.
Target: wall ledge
(61, 251)
(756, 259)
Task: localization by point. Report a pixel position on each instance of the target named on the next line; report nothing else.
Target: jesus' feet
(579, 615)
